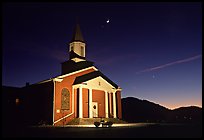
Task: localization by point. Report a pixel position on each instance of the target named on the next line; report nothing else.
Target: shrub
(97, 124)
(41, 122)
(109, 124)
(102, 121)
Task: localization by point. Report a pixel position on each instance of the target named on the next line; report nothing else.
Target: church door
(95, 109)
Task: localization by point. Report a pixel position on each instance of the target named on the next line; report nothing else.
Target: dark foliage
(97, 124)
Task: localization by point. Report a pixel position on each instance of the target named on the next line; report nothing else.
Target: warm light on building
(17, 101)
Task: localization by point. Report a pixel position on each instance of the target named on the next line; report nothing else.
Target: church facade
(80, 91)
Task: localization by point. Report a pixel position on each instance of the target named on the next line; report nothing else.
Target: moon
(108, 21)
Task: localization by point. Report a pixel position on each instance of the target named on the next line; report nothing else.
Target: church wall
(64, 121)
(59, 113)
(77, 47)
(99, 97)
(85, 101)
(119, 107)
(66, 83)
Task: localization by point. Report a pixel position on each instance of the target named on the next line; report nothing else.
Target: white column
(106, 103)
(114, 105)
(110, 103)
(80, 103)
(90, 104)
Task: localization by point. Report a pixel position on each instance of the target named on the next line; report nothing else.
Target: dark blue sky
(153, 51)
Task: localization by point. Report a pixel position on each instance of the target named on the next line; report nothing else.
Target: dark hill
(136, 110)
(187, 114)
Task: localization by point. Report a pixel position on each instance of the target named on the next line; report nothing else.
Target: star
(108, 21)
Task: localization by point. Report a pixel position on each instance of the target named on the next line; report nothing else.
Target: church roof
(77, 36)
(71, 66)
(92, 75)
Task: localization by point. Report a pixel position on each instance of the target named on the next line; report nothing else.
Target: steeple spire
(77, 49)
(77, 36)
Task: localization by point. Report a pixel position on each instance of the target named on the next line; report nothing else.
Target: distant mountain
(136, 110)
(187, 114)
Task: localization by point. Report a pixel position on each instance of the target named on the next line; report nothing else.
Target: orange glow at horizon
(175, 105)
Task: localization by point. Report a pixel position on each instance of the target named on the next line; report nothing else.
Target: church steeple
(77, 36)
(77, 46)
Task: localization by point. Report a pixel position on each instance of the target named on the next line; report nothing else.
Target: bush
(102, 121)
(41, 122)
(97, 124)
(110, 123)
(107, 124)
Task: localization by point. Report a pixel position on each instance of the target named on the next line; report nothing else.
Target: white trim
(72, 99)
(88, 85)
(77, 59)
(119, 89)
(58, 79)
(45, 81)
(84, 51)
(51, 79)
(53, 119)
(65, 75)
(64, 117)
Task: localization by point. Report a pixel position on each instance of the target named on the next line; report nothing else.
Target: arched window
(65, 100)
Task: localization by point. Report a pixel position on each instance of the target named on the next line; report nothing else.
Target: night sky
(153, 51)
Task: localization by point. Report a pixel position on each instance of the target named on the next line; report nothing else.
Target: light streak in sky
(170, 64)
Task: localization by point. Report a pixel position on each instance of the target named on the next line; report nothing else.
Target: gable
(99, 83)
(92, 75)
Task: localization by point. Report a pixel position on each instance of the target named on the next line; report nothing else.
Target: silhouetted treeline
(27, 105)
(136, 110)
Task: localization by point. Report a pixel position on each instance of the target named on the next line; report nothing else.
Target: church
(80, 91)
